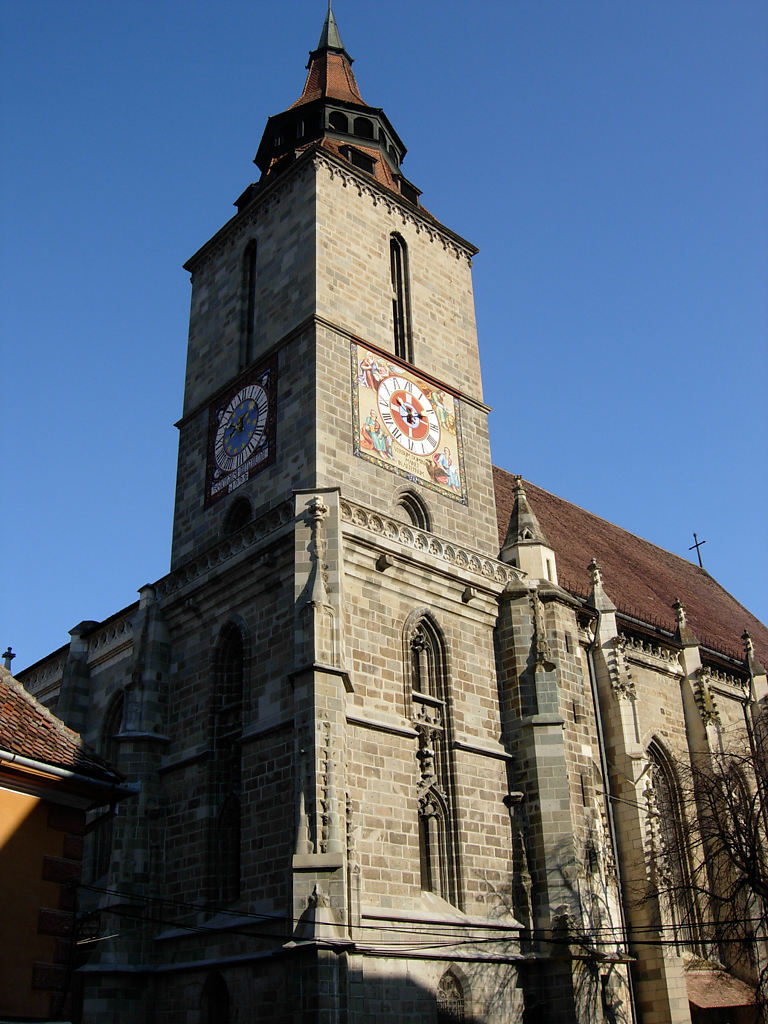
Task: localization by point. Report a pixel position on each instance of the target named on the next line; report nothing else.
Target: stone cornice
(268, 524)
(368, 186)
(315, 157)
(391, 530)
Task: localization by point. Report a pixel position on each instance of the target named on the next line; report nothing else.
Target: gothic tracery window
(450, 1000)
(670, 852)
(427, 677)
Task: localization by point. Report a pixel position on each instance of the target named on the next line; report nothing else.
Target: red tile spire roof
(330, 74)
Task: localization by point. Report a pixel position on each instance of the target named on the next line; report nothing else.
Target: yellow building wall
(25, 839)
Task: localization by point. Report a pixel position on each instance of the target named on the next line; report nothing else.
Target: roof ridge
(616, 526)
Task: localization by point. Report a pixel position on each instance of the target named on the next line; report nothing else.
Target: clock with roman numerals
(408, 415)
(407, 423)
(241, 431)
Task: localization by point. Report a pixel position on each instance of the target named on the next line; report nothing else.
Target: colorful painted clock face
(241, 431)
(406, 423)
(241, 428)
(408, 415)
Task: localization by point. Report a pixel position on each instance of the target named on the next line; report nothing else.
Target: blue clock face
(241, 428)
(243, 424)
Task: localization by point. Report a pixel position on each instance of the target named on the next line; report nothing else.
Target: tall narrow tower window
(401, 302)
(226, 774)
(437, 839)
(248, 332)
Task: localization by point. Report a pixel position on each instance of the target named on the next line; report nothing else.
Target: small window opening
(238, 515)
(364, 128)
(361, 160)
(338, 122)
(415, 510)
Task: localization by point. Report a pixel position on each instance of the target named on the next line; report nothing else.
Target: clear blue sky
(607, 156)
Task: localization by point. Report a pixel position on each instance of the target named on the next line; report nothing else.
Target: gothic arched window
(450, 1000)
(238, 515)
(226, 774)
(110, 749)
(248, 332)
(671, 852)
(427, 676)
(214, 1000)
(415, 509)
(401, 299)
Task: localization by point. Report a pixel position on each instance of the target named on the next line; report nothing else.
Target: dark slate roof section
(30, 730)
(641, 579)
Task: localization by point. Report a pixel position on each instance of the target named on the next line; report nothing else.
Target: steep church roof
(642, 580)
(30, 730)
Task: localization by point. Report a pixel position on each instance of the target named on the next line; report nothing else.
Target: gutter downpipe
(609, 810)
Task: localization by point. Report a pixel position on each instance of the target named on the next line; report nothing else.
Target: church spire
(330, 74)
(330, 37)
(332, 114)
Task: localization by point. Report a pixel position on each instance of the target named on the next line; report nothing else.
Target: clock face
(406, 423)
(241, 431)
(241, 428)
(408, 415)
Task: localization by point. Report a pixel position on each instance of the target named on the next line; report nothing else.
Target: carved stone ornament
(618, 668)
(704, 697)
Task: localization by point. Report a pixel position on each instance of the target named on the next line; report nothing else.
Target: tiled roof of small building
(641, 579)
(30, 730)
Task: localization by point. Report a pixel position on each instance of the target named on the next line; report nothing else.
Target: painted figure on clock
(413, 430)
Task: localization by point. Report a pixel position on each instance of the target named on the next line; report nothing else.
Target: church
(402, 728)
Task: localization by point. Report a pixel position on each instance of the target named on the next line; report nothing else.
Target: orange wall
(25, 838)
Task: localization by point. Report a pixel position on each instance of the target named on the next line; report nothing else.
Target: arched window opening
(338, 122)
(415, 510)
(110, 749)
(672, 864)
(238, 515)
(450, 1000)
(433, 850)
(214, 1000)
(427, 661)
(364, 128)
(226, 772)
(401, 303)
(427, 677)
(248, 332)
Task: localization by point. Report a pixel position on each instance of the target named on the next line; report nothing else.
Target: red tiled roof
(641, 579)
(30, 730)
(331, 76)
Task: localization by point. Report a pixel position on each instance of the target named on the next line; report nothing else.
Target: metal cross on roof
(697, 545)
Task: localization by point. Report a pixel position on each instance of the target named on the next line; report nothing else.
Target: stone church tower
(312, 710)
(375, 755)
